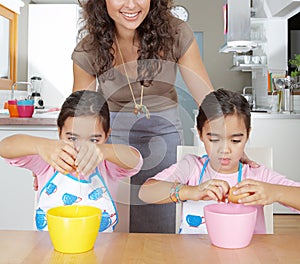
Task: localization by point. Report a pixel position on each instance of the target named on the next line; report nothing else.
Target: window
(8, 47)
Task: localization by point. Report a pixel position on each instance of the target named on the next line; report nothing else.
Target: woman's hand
(261, 193)
(209, 190)
(251, 163)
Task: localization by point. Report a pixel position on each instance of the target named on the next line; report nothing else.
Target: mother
(130, 50)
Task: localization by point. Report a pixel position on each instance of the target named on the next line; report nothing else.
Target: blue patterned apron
(68, 190)
(192, 221)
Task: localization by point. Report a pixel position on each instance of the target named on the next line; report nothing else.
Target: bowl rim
(253, 211)
(25, 102)
(74, 217)
(12, 102)
(31, 106)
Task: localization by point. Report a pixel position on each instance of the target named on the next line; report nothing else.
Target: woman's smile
(130, 15)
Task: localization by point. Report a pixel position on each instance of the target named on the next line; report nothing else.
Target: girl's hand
(246, 160)
(261, 193)
(59, 154)
(88, 157)
(209, 190)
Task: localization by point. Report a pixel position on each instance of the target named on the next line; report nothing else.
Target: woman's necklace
(138, 108)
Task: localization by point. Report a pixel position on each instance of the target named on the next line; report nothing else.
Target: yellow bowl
(73, 229)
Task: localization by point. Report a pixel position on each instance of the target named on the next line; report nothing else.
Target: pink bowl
(25, 110)
(230, 225)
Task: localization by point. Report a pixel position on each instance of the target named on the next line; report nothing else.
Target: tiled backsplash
(6, 95)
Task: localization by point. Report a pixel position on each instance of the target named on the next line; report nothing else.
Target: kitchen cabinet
(282, 134)
(16, 188)
(8, 47)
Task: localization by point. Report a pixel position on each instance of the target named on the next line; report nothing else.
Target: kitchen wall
(205, 16)
(23, 42)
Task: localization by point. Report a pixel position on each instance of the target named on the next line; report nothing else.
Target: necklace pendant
(136, 111)
(145, 110)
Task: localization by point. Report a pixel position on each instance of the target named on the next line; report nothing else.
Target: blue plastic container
(25, 102)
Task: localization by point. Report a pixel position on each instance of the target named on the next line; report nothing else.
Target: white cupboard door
(16, 190)
(281, 135)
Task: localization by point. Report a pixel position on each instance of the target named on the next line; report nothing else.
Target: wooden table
(115, 248)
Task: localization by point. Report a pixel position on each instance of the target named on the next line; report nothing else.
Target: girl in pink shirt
(79, 168)
(223, 125)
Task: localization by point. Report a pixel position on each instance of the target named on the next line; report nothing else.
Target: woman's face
(224, 140)
(83, 128)
(128, 14)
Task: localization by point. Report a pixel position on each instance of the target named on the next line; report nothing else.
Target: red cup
(13, 108)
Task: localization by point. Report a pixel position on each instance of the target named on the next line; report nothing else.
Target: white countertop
(40, 118)
(271, 115)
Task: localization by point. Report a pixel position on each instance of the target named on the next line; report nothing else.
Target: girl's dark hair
(85, 103)
(155, 34)
(223, 103)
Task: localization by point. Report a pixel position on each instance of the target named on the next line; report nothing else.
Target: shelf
(248, 67)
(258, 20)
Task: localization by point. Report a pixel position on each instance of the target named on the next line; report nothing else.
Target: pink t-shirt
(111, 173)
(188, 170)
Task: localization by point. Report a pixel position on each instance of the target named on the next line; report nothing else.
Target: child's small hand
(261, 193)
(211, 190)
(59, 154)
(88, 157)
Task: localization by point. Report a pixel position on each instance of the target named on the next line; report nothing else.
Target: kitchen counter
(265, 114)
(35, 247)
(27, 121)
(51, 120)
(43, 119)
(270, 115)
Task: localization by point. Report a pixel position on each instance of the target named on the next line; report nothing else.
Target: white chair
(262, 155)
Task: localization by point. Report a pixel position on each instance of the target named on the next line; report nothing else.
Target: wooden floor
(286, 223)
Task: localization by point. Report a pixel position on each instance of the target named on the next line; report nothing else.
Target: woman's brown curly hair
(155, 35)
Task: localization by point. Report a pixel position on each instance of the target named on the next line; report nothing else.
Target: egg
(235, 198)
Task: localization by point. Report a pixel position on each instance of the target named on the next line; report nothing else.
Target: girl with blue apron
(68, 190)
(192, 221)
